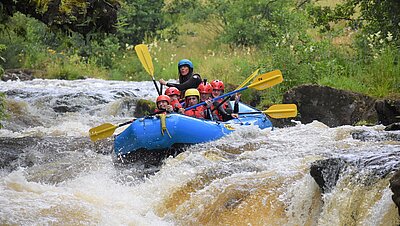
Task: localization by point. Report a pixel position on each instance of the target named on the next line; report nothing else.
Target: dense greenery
(353, 45)
(2, 107)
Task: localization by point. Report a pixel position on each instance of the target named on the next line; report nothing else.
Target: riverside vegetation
(341, 44)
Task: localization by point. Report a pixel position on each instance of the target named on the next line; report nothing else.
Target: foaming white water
(43, 107)
(251, 177)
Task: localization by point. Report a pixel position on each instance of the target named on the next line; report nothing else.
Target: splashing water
(53, 174)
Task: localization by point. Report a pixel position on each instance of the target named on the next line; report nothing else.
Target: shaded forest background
(349, 44)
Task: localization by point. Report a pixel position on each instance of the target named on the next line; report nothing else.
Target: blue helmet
(185, 62)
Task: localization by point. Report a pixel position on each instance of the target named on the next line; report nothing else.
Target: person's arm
(193, 82)
(221, 109)
(236, 105)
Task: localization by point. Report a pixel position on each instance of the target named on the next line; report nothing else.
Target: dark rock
(129, 93)
(144, 107)
(18, 74)
(331, 106)
(376, 136)
(388, 111)
(12, 148)
(326, 172)
(65, 108)
(365, 170)
(395, 187)
(75, 102)
(393, 127)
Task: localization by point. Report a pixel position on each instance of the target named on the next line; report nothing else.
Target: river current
(54, 174)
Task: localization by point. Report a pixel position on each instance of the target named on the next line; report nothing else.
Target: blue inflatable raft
(161, 132)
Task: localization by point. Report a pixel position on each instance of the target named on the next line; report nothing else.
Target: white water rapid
(52, 174)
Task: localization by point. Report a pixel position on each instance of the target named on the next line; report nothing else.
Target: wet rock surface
(395, 187)
(327, 172)
(331, 106)
(29, 151)
(144, 107)
(376, 136)
(388, 111)
(18, 74)
(335, 107)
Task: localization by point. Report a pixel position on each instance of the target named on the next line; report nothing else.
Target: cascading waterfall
(51, 173)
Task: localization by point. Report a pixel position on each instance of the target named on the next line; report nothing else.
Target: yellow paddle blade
(282, 111)
(102, 131)
(248, 79)
(144, 56)
(267, 80)
(267, 75)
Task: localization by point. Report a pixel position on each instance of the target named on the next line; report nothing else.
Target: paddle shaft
(155, 84)
(261, 77)
(218, 97)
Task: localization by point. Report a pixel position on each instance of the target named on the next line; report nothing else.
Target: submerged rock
(144, 107)
(376, 136)
(326, 172)
(365, 170)
(29, 151)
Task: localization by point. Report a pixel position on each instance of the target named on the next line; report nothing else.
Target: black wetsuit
(186, 82)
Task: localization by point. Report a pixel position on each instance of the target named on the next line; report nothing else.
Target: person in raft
(192, 97)
(174, 95)
(187, 79)
(223, 111)
(163, 103)
(205, 90)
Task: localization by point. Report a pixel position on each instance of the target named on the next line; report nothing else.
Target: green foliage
(3, 113)
(2, 59)
(247, 22)
(140, 20)
(225, 41)
(370, 17)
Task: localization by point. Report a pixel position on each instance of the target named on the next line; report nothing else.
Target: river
(54, 174)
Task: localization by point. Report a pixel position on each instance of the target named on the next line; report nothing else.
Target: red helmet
(172, 91)
(163, 97)
(217, 85)
(207, 88)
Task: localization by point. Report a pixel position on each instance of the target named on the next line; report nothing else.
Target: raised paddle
(105, 130)
(248, 79)
(144, 56)
(277, 111)
(260, 84)
(258, 78)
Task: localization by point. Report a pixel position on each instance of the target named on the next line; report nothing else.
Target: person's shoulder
(196, 76)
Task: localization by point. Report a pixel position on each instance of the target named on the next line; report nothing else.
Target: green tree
(371, 17)
(84, 17)
(140, 19)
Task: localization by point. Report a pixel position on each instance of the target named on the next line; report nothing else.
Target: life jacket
(197, 112)
(215, 111)
(176, 105)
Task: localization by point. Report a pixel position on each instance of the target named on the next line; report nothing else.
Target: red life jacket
(216, 112)
(176, 105)
(196, 112)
